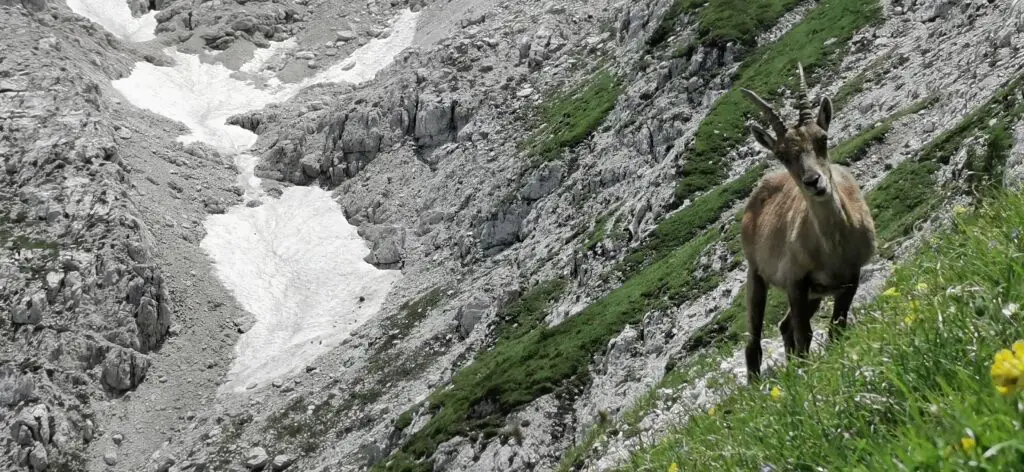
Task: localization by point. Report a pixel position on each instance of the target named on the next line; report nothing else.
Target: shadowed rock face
(352, 139)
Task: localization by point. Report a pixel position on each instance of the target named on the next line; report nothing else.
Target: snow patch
(201, 96)
(294, 262)
(373, 56)
(297, 265)
(116, 17)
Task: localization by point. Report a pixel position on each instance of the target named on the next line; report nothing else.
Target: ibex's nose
(811, 181)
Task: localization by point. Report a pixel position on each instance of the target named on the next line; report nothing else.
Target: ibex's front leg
(786, 326)
(800, 312)
(757, 294)
(839, 313)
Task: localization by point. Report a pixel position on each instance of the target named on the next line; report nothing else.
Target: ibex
(806, 229)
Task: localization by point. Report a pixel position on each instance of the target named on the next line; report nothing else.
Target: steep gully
(293, 262)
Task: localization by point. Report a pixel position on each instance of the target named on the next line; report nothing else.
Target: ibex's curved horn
(803, 104)
(773, 118)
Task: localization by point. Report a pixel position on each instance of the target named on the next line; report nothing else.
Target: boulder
(470, 314)
(256, 458)
(124, 369)
(281, 462)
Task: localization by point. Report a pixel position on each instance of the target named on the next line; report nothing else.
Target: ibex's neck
(829, 215)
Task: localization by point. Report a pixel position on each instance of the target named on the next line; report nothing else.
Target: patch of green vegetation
(770, 69)
(12, 238)
(546, 359)
(297, 425)
(668, 21)
(908, 389)
(598, 233)
(685, 51)
(849, 89)
(689, 222)
(872, 72)
(856, 148)
(720, 22)
(905, 196)
(529, 310)
(909, 193)
(409, 315)
(739, 21)
(567, 119)
(404, 420)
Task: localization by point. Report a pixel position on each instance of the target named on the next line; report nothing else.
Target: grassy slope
(909, 386)
(769, 70)
(569, 118)
(853, 150)
(547, 360)
(723, 21)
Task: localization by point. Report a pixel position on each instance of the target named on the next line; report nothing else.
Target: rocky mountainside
(557, 182)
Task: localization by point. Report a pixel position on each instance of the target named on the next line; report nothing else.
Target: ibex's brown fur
(806, 229)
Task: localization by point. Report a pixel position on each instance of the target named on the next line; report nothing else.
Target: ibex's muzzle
(814, 184)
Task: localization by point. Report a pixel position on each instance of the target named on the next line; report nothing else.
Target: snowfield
(115, 17)
(297, 265)
(294, 262)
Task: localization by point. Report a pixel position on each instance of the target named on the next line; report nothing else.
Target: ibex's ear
(824, 113)
(763, 137)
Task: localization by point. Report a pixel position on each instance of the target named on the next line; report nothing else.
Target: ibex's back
(806, 229)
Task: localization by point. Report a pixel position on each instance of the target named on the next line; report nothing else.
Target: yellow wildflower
(673, 468)
(909, 319)
(1008, 369)
(712, 411)
(776, 392)
(959, 210)
(891, 292)
(968, 444)
(921, 287)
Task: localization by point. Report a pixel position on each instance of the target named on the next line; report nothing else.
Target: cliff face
(557, 182)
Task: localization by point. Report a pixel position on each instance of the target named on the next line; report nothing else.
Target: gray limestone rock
(124, 369)
(281, 462)
(256, 458)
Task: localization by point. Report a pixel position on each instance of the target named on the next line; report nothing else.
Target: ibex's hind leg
(800, 317)
(757, 292)
(786, 326)
(841, 310)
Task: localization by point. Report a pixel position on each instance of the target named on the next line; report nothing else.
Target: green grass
(598, 233)
(688, 222)
(667, 26)
(855, 149)
(739, 21)
(567, 119)
(409, 315)
(529, 310)
(909, 193)
(545, 359)
(910, 380)
(769, 70)
(720, 22)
